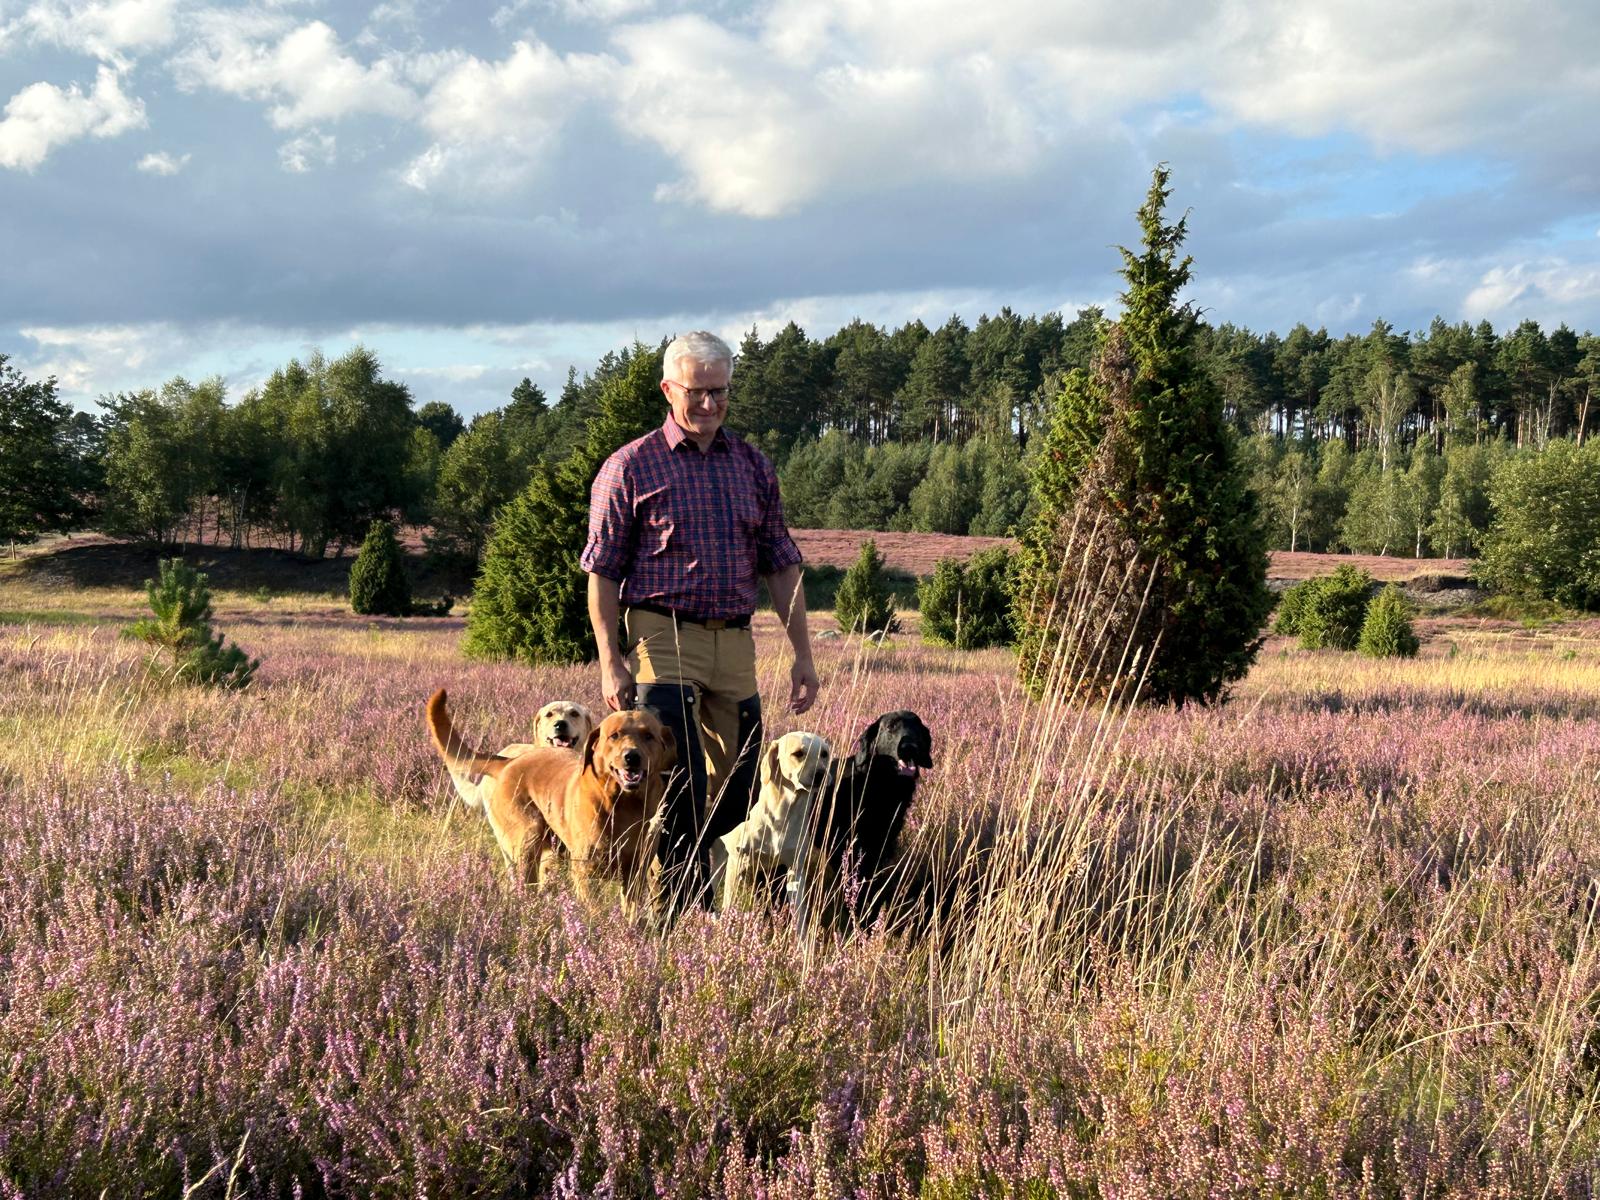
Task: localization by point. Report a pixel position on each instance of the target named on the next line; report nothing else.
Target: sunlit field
(1333, 938)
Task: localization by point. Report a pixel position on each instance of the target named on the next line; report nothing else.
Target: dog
(863, 809)
(563, 724)
(600, 803)
(777, 833)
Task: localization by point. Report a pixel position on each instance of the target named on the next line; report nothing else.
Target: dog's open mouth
(561, 741)
(909, 769)
(629, 778)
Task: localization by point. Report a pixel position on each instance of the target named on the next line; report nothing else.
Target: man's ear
(867, 743)
(669, 749)
(589, 745)
(769, 764)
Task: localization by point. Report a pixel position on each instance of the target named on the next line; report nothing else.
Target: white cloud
(308, 151)
(305, 72)
(162, 163)
(819, 96)
(111, 30)
(491, 120)
(42, 117)
(1547, 289)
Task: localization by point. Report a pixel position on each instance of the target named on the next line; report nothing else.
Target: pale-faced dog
(563, 724)
(777, 833)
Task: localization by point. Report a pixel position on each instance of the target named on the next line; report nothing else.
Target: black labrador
(863, 810)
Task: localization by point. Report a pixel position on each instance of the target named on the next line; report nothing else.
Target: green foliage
(39, 459)
(1545, 539)
(1329, 610)
(530, 601)
(480, 472)
(439, 419)
(968, 605)
(378, 583)
(162, 455)
(863, 603)
(1139, 460)
(181, 600)
(1386, 632)
(1291, 607)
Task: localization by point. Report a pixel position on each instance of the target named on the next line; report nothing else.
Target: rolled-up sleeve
(775, 549)
(608, 550)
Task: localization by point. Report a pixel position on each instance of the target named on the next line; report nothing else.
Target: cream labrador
(778, 832)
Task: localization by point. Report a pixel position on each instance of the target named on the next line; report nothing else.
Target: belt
(706, 622)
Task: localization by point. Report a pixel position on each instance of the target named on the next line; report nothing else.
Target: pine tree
(378, 584)
(863, 603)
(530, 602)
(1386, 632)
(181, 600)
(1145, 535)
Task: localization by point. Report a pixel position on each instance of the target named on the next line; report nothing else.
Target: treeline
(1386, 442)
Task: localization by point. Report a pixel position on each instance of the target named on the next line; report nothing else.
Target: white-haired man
(683, 525)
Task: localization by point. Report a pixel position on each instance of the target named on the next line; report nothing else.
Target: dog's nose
(560, 726)
(632, 759)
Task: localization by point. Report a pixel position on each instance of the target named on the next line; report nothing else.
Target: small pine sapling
(1387, 632)
(181, 600)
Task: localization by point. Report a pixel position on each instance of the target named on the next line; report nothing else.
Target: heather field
(1334, 938)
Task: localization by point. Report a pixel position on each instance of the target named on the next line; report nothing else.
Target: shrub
(1145, 534)
(1291, 607)
(1333, 610)
(1387, 632)
(1544, 541)
(181, 600)
(378, 584)
(863, 603)
(967, 605)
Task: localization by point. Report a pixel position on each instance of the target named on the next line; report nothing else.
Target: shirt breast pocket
(747, 514)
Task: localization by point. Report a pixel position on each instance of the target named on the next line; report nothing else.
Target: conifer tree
(378, 584)
(530, 602)
(181, 600)
(1386, 632)
(863, 603)
(1146, 536)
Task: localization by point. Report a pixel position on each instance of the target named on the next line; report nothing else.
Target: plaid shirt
(686, 530)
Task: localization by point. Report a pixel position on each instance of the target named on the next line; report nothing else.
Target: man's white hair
(699, 346)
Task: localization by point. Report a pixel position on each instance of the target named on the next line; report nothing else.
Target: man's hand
(803, 685)
(616, 685)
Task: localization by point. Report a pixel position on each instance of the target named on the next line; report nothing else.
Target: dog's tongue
(562, 743)
(908, 769)
(630, 779)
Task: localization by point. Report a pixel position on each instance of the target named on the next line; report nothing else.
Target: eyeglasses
(716, 395)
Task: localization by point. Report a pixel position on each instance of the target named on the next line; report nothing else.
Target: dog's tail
(457, 755)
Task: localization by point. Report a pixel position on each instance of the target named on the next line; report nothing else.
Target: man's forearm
(789, 602)
(605, 608)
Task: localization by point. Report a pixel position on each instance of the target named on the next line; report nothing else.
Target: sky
(485, 192)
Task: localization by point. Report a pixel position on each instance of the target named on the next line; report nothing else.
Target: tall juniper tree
(530, 600)
(1146, 537)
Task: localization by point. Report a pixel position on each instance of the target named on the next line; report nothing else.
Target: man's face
(698, 395)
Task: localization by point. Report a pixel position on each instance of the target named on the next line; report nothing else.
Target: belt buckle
(717, 623)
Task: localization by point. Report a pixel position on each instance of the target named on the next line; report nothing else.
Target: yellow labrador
(562, 724)
(777, 833)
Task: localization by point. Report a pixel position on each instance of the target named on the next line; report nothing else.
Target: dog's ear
(669, 749)
(769, 764)
(589, 722)
(867, 743)
(589, 744)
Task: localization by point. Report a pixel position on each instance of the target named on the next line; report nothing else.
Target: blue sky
(482, 192)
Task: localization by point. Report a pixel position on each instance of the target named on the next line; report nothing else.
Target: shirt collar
(677, 437)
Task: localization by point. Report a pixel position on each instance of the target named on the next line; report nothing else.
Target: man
(683, 523)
